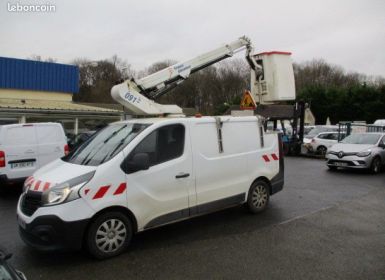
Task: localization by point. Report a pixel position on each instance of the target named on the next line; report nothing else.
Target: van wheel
(258, 197)
(376, 165)
(108, 235)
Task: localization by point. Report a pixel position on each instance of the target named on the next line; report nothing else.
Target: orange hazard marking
(247, 102)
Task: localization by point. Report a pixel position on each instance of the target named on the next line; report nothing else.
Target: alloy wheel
(110, 235)
(259, 196)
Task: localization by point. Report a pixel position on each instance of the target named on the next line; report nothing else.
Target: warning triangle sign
(247, 102)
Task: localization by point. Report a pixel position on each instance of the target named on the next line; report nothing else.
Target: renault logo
(341, 154)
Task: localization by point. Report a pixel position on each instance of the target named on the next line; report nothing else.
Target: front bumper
(56, 227)
(49, 233)
(353, 162)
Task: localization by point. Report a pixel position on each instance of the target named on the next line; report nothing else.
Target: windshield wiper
(114, 133)
(120, 143)
(113, 151)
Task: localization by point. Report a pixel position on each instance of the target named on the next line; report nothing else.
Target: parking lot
(323, 225)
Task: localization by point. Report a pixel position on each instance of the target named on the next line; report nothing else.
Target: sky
(349, 33)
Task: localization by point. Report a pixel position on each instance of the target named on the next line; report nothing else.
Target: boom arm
(136, 95)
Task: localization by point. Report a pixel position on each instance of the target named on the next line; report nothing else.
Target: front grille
(349, 154)
(30, 202)
(342, 154)
(349, 163)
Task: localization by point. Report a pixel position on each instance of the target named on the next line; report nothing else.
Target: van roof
(29, 124)
(189, 119)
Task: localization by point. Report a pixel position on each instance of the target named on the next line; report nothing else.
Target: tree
(331, 92)
(96, 78)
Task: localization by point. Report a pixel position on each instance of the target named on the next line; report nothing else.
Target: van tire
(258, 197)
(113, 227)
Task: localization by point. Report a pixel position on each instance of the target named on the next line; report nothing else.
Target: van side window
(164, 144)
(170, 142)
(148, 146)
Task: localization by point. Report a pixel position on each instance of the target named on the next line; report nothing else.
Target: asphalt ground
(323, 225)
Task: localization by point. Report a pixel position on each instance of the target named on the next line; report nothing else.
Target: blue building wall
(36, 75)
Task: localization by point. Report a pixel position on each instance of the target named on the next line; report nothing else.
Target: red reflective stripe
(120, 189)
(266, 158)
(274, 156)
(29, 180)
(101, 192)
(30, 183)
(37, 185)
(86, 191)
(46, 186)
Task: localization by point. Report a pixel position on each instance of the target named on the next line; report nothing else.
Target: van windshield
(105, 144)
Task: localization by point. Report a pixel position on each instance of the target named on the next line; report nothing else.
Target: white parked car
(143, 173)
(358, 151)
(322, 142)
(24, 148)
(317, 130)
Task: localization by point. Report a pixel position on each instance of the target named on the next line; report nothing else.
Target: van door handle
(182, 175)
(28, 152)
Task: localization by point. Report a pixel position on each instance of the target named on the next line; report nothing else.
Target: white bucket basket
(277, 81)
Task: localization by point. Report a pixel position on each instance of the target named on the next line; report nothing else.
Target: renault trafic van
(143, 173)
(24, 148)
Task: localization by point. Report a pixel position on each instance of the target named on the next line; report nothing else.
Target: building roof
(52, 105)
(36, 75)
(114, 106)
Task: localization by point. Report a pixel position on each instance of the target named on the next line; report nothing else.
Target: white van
(24, 148)
(143, 173)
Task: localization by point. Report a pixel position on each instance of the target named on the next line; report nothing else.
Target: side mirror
(381, 145)
(140, 161)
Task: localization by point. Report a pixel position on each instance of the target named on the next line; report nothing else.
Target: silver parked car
(360, 151)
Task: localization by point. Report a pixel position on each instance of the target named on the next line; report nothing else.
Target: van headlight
(66, 191)
(364, 153)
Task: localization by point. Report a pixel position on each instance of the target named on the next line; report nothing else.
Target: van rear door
(51, 142)
(223, 177)
(20, 148)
